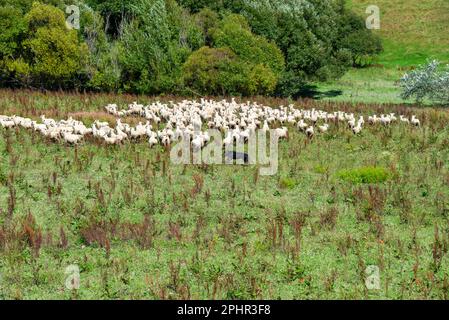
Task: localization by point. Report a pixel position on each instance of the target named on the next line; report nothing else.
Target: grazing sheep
(414, 121)
(111, 140)
(7, 124)
(323, 128)
(385, 120)
(153, 140)
(404, 119)
(302, 125)
(282, 133)
(228, 140)
(351, 123)
(357, 129)
(165, 141)
(100, 124)
(71, 138)
(238, 120)
(310, 132)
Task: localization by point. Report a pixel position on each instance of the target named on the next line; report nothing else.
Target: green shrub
(261, 80)
(17, 70)
(235, 33)
(105, 72)
(219, 71)
(25, 5)
(241, 63)
(363, 44)
(214, 71)
(365, 175)
(12, 31)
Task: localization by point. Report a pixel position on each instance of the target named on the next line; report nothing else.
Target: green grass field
(139, 227)
(412, 32)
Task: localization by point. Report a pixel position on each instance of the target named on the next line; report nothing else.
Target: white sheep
(310, 132)
(282, 133)
(414, 121)
(323, 128)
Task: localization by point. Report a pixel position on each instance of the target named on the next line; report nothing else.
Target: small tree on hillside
(427, 81)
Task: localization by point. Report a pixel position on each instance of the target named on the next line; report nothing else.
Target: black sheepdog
(237, 156)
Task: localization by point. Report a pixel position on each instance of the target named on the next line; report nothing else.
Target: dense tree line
(200, 47)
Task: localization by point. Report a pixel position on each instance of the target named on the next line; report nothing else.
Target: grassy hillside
(412, 31)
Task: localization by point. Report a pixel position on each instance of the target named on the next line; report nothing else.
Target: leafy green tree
(12, 31)
(241, 62)
(207, 20)
(197, 5)
(360, 41)
(259, 62)
(103, 70)
(25, 5)
(13, 69)
(305, 32)
(427, 81)
(54, 53)
(145, 45)
(220, 71)
(115, 13)
(234, 32)
(155, 44)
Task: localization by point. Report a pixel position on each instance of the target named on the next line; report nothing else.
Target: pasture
(138, 227)
(412, 32)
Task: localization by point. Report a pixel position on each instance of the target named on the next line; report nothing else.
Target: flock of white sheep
(165, 123)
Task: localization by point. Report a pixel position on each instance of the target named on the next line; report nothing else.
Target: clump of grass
(320, 169)
(287, 183)
(365, 175)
